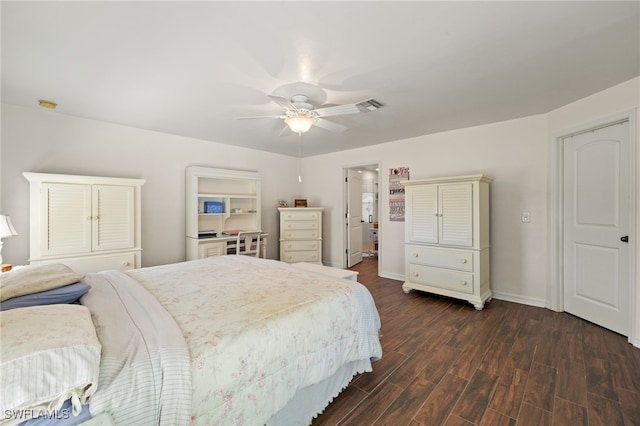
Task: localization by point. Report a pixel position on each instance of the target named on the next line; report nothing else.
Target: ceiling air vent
(369, 105)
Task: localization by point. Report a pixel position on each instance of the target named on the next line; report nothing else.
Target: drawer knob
(463, 260)
(125, 263)
(463, 282)
(415, 255)
(415, 274)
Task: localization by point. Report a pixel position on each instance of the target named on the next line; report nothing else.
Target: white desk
(327, 270)
(220, 246)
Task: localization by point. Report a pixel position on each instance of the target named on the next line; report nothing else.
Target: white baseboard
(392, 276)
(540, 303)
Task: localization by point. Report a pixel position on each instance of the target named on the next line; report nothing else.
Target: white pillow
(36, 278)
(48, 355)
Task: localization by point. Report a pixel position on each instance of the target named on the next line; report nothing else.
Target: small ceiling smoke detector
(47, 104)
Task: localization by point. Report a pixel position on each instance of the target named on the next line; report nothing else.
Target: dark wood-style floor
(446, 364)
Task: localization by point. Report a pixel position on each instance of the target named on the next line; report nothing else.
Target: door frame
(345, 174)
(555, 289)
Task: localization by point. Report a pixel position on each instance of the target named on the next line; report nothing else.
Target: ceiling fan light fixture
(300, 123)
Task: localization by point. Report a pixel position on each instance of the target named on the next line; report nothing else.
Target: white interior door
(596, 221)
(354, 218)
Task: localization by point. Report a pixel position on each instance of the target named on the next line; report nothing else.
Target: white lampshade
(6, 227)
(300, 123)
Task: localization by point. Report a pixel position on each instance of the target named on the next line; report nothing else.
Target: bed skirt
(311, 401)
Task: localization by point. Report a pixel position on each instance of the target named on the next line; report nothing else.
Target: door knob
(624, 239)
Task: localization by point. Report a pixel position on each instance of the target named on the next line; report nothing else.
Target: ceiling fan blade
(283, 102)
(260, 116)
(338, 110)
(286, 131)
(364, 106)
(330, 125)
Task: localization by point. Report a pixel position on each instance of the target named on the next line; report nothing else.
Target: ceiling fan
(299, 115)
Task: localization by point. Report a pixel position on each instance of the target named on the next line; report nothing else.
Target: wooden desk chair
(248, 243)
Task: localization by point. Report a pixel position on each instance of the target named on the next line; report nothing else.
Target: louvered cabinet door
(66, 210)
(113, 224)
(455, 224)
(422, 214)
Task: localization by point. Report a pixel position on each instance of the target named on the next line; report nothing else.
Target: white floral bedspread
(259, 330)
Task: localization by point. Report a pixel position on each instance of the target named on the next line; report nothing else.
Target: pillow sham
(49, 354)
(35, 278)
(61, 295)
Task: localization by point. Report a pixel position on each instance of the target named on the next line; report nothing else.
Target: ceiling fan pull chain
(299, 157)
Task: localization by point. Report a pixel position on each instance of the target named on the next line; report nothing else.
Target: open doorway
(361, 213)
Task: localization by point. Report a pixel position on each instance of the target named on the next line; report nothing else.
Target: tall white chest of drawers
(447, 237)
(301, 234)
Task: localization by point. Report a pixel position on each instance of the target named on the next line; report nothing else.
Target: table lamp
(6, 230)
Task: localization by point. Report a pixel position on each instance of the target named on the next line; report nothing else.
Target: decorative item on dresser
(447, 237)
(6, 230)
(301, 234)
(88, 223)
(220, 204)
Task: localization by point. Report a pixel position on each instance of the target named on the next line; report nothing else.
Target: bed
(224, 340)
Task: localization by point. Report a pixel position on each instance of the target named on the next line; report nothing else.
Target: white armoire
(447, 237)
(88, 223)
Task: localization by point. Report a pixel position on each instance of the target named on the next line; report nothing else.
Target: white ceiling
(191, 68)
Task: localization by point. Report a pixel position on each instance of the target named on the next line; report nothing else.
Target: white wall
(514, 153)
(43, 141)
